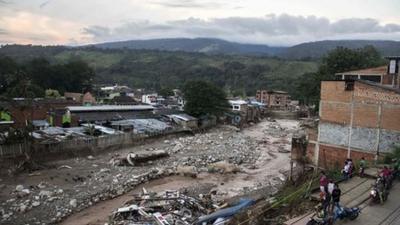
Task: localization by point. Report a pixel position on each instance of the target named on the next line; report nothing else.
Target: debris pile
(174, 208)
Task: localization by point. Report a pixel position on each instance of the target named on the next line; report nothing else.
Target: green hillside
(153, 69)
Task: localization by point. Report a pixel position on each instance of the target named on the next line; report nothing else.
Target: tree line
(31, 79)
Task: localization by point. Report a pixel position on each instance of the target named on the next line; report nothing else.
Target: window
(236, 107)
(349, 85)
(350, 77)
(376, 79)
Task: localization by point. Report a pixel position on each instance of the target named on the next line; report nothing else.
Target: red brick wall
(335, 112)
(334, 91)
(365, 115)
(333, 157)
(390, 117)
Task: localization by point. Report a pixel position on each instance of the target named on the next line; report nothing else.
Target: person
(346, 170)
(351, 167)
(331, 186)
(362, 167)
(323, 182)
(336, 193)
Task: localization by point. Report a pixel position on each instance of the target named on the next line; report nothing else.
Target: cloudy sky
(272, 22)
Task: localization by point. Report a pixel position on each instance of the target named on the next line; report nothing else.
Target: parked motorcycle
(340, 213)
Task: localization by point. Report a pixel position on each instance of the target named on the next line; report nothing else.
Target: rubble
(223, 150)
(173, 207)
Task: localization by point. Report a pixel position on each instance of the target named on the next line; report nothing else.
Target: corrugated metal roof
(109, 108)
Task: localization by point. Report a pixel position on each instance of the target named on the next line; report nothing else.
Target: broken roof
(369, 71)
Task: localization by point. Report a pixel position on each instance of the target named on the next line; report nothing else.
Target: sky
(270, 22)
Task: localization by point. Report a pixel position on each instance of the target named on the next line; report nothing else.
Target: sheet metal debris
(174, 208)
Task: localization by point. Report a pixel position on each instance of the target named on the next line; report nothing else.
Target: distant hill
(309, 50)
(199, 45)
(320, 48)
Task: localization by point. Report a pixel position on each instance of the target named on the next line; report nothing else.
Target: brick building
(273, 99)
(357, 119)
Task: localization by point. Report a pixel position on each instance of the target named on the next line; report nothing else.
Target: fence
(76, 145)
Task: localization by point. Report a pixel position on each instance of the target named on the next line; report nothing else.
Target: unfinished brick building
(357, 119)
(273, 99)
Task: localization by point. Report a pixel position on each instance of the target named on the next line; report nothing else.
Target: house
(238, 105)
(23, 111)
(84, 99)
(358, 118)
(150, 99)
(274, 99)
(184, 120)
(141, 125)
(103, 114)
(385, 75)
(123, 99)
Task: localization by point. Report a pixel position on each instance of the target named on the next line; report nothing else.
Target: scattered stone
(64, 167)
(73, 203)
(90, 157)
(35, 204)
(19, 188)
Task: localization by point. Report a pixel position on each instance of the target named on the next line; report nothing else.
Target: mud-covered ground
(84, 186)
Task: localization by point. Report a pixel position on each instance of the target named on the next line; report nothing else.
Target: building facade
(357, 119)
(273, 99)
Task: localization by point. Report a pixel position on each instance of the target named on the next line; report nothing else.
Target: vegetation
(338, 60)
(153, 70)
(32, 78)
(204, 98)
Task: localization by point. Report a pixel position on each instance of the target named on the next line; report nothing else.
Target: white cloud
(271, 29)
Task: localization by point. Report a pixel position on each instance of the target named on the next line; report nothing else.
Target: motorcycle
(340, 213)
(379, 192)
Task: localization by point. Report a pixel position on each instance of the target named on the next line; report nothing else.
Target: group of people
(330, 194)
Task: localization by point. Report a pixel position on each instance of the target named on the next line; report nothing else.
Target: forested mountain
(318, 49)
(200, 45)
(153, 69)
(310, 50)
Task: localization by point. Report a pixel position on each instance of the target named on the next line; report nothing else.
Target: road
(385, 214)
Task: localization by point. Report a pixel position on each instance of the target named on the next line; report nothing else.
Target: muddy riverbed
(87, 190)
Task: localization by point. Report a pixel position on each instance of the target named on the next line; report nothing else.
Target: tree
(51, 93)
(165, 92)
(204, 98)
(338, 60)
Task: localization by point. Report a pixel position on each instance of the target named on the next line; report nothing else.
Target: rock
(19, 188)
(166, 141)
(24, 192)
(224, 167)
(45, 194)
(187, 171)
(73, 203)
(105, 170)
(42, 185)
(35, 204)
(90, 157)
(22, 208)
